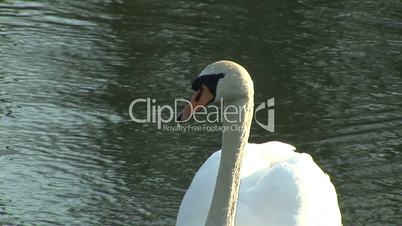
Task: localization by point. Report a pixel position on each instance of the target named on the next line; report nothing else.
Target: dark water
(69, 154)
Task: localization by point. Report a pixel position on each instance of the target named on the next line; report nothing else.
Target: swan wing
(292, 190)
(195, 205)
(279, 187)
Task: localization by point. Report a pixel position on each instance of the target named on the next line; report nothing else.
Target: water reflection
(69, 153)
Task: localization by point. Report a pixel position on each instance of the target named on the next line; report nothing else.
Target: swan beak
(200, 98)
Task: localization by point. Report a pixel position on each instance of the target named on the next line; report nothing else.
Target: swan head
(221, 80)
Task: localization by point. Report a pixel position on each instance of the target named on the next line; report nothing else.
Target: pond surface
(70, 155)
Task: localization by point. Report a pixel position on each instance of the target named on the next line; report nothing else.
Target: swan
(246, 184)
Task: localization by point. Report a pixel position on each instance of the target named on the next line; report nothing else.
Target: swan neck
(235, 136)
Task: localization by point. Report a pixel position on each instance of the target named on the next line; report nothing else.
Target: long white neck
(222, 211)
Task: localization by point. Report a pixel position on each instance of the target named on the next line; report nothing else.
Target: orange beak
(201, 97)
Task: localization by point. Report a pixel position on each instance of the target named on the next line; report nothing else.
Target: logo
(270, 124)
(147, 110)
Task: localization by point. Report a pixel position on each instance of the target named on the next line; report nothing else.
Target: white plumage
(245, 184)
(279, 187)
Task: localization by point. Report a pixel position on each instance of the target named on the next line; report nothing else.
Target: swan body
(246, 184)
(279, 187)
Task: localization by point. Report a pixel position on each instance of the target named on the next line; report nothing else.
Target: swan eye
(196, 84)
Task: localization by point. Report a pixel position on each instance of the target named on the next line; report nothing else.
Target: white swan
(265, 184)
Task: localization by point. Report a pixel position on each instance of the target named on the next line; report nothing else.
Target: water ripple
(69, 69)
